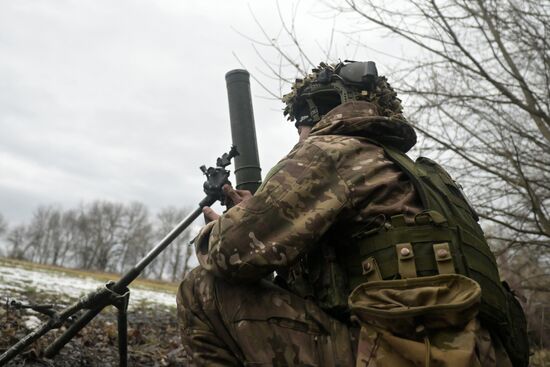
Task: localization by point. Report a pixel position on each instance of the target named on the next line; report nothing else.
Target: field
(153, 338)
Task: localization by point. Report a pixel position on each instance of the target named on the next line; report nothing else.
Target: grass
(158, 285)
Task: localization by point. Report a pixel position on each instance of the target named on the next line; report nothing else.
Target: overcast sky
(124, 100)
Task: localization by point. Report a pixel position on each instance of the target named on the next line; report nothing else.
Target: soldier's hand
(236, 196)
(209, 214)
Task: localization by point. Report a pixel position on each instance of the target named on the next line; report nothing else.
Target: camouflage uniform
(334, 182)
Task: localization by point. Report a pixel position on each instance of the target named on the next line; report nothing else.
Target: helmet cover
(330, 85)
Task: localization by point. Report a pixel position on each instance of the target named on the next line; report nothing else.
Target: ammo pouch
(417, 321)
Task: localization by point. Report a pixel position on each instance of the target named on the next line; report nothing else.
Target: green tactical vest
(446, 238)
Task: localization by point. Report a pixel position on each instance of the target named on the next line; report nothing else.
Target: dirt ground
(153, 340)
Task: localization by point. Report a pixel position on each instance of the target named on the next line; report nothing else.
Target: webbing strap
(371, 270)
(405, 260)
(444, 258)
(414, 234)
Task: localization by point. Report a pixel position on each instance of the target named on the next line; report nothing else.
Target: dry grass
(100, 276)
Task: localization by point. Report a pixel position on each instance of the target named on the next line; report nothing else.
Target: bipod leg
(94, 301)
(123, 338)
(120, 301)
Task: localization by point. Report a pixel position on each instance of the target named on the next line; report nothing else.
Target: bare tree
(103, 236)
(103, 225)
(44, 239)
(483, 94)
(68, 239)
(173, 263)
(43, 234)
(83, 241)
(16, 242)
(136, 235)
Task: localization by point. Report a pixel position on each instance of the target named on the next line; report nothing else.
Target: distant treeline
(102, 236)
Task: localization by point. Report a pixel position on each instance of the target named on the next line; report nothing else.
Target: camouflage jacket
(337, 180)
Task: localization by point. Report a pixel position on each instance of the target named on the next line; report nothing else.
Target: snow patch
(15, 279)
(32, 321)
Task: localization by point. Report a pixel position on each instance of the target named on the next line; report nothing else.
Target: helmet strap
(313, 111)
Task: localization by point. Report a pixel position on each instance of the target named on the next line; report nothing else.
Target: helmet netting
(383, 95)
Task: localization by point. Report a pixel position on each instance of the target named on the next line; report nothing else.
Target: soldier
(379, 259)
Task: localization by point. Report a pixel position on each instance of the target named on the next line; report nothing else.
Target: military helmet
(330, 85)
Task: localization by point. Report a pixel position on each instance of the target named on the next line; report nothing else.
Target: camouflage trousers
(261, 324)
(257, 324)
